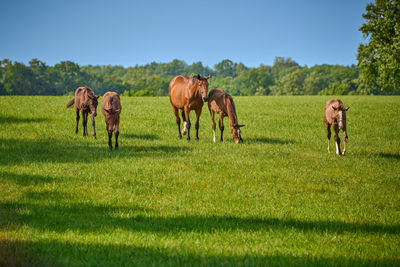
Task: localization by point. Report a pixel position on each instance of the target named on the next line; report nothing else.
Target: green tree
(255, 80)
(225, 68)
(290, 84)
(313, 83)
(18, 79)
(379, 58)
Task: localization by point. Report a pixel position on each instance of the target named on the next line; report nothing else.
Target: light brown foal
(335, 115)
(222, 103)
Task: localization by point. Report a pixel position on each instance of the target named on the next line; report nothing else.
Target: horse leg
(213, 125)
(221, 126)
(184, 130)
(110, 132)
(197, 124)
(116, 133)
(178, 121)
(77, 120)
(187, 112)
(328, 129)
(337, 140)
(93, 126)
(345, 138)
(84, 122)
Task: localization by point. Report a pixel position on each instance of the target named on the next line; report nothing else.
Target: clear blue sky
(138, 32)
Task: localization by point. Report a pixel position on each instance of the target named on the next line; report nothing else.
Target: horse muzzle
(204, 98)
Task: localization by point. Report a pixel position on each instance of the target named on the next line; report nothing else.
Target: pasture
(279, 198)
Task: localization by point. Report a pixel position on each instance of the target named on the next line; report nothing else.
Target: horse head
(235, 132)
(93, 104)
(202, 86)
(341, 115)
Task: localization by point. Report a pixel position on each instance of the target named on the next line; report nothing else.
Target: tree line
(284, 77)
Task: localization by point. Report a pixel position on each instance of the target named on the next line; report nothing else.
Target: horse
(85, 101)
(222, 103)
(335, 115)
(111, 108)
(186, 94)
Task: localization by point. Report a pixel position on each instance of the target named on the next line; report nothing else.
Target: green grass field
(277, 199)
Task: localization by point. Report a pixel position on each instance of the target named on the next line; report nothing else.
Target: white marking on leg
(215, 138)
(184, 130)
(344, 148)
(337, 148)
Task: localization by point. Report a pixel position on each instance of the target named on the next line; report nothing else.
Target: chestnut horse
(111, 108)
(222, 103)
(86, 102)
(335, 115)
(188, 94)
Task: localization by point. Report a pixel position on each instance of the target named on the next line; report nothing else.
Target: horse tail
(110, 103)
(71, 103)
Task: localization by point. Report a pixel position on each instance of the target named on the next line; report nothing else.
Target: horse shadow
(390, 155)
(15, 151)
(140, 136)
(266, 140)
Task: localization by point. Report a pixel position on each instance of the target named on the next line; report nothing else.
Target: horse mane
(199, 77)
(230, 106)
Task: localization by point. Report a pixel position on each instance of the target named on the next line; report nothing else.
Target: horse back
(82, 96)
(217, 101)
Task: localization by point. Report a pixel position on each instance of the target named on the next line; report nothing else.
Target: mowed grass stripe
(278, 199)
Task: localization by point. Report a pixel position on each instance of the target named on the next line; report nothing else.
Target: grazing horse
(188, 94)
(86, 102)
(111, 108)
(222, 103)
(335, 115)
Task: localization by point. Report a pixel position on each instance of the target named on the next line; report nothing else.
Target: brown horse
(222, 103)
(335, 115)
(111, 108)
(188, 94)
(86, 102)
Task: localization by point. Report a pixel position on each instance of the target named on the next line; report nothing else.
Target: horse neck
(230, 106)
(193, 88)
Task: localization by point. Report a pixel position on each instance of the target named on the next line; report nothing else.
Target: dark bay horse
(222, 103)
(111, 108)
(335, 115)
(86, 102)
(186, 94)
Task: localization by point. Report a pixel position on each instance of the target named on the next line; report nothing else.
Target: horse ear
(198, 76)
(346, 109)
(334, 108)
(208, 77)
(97, 97)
